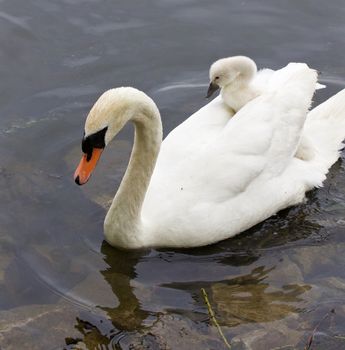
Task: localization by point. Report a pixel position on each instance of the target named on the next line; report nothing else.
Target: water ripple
(17, 21)
(178, 86)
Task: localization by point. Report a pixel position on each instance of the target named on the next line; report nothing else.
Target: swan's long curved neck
(123, 224)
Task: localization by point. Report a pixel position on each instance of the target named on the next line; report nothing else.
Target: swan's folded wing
(281, 112)
(262, 78)
(205, 161)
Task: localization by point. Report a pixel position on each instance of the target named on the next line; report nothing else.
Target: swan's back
(213, 172)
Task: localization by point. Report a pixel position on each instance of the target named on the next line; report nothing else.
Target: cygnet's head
(236, 70)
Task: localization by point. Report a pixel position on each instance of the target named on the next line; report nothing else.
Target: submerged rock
(36, 327)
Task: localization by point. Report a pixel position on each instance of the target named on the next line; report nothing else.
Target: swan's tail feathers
(324, 130)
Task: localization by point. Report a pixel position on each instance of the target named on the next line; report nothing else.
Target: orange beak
(85, 167)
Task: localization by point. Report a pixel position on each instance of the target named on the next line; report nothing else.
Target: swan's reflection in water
(128, 315)
(246, 298)
(249, 298)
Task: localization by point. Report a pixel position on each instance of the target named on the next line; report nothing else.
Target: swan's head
(236, 70)
(106, 118)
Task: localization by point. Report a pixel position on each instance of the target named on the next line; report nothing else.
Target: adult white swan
(213, 176)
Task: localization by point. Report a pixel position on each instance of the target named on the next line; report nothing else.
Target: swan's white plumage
(212, 174)
(216, 176)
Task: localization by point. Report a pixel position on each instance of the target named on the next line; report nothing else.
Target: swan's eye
(216, 78)
(96, 140)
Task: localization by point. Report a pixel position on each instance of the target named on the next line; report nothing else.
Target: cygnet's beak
(213, 87)
(86, 166)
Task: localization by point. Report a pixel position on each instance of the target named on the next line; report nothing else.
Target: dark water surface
(61, 285)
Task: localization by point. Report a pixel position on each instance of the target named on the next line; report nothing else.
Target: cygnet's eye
(216, 78)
